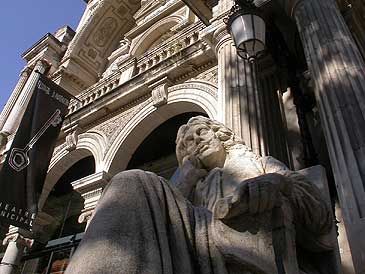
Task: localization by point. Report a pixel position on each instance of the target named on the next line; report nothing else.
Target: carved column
(16, 114)
(242, 104)
(90, 188)
(338, 72)
(17, 240)
(238, 95)
(24, 75)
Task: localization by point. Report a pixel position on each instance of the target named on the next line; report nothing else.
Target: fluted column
(241, 104)
(338, 72)
(238, 95)
(18, 109)
(24, 75)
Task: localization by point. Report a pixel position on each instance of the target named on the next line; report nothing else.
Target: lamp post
(247, 28)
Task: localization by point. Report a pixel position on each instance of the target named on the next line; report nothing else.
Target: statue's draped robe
(143, 225)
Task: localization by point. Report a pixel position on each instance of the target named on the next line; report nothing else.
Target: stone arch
(196, 97)
(150, 37)
(201, 92)
(90, 143)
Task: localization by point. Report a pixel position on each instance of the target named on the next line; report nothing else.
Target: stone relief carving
(198, 86)
(243, 214)
(210, 75)
(123, 53)
(159, 95)
(71, 140)
(112, 127)
(103, 35)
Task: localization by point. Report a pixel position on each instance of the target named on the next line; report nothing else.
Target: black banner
(23, 173)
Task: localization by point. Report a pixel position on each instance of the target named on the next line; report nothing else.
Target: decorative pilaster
(338, 73)
(17, 111)
(16, 240)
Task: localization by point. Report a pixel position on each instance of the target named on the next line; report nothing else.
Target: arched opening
(147, 120)
(63, 206)
(154, 36)
(64, 203)
(157, 151)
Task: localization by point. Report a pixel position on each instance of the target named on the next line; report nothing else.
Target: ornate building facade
(140, 69)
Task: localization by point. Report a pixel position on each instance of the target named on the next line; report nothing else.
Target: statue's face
(201, 142)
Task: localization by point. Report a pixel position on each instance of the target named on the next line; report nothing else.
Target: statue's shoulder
(271, 164)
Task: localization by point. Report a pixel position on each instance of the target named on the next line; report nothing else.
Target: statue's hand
(190, 173)
(254, 196)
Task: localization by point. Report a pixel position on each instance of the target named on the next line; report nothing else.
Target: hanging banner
(23, 173)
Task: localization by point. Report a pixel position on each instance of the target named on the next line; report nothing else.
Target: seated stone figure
(145, 225)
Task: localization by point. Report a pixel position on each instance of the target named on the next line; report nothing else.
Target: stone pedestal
(16, 242)
(338, 73)
(16, 114)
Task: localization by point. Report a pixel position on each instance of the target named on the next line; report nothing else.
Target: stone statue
(230, 211)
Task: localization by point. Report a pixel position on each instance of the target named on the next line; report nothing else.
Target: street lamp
(247, 29)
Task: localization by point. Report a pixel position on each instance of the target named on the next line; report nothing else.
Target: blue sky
(23, 23)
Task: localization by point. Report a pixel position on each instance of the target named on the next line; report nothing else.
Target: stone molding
(192, 85)
(90, 188)
(90, 183)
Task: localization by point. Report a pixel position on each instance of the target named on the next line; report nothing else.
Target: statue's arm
(190, 174)
(310, 210)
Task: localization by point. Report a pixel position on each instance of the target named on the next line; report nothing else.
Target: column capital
(41, 65)
(19, 236)
(25, 72)
(90, 188)
(222, 35)
(85, 216)
(216, 35)
(3, 139)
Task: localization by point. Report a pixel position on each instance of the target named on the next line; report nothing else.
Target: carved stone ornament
(159, 95)
(160, 91)
(85, 216)
(114, 125)
(104, 34)
(71, 140)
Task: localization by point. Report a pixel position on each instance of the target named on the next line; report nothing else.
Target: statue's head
(206, 139)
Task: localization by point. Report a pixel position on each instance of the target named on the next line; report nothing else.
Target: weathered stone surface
(337, 68)
(142, 224)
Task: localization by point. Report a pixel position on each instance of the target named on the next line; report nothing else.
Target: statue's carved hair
(224, 134)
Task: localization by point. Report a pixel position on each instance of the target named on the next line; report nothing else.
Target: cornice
(47, 41)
